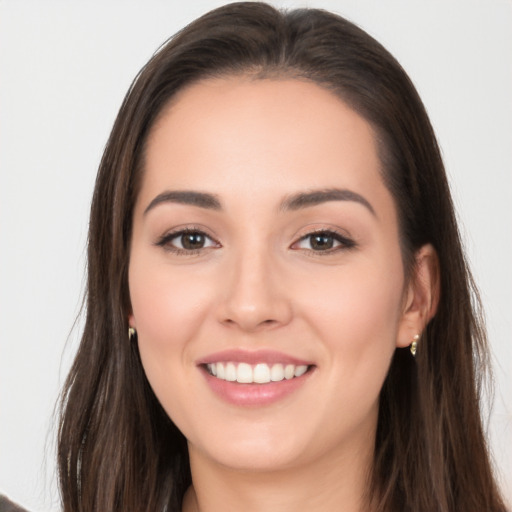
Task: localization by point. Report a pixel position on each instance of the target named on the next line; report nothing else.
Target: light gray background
(64, 69)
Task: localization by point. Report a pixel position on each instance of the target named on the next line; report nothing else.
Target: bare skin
(288, 245)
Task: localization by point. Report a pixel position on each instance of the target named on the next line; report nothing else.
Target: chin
(253, 452)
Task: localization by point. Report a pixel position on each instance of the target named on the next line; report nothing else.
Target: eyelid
(345, 241)
(164, 240)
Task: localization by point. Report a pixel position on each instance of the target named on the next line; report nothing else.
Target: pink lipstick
(256, 378)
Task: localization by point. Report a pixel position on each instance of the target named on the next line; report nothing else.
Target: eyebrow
(316, 197)
(201, 199)
(294, 202)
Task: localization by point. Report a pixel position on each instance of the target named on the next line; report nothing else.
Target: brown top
(7, 505)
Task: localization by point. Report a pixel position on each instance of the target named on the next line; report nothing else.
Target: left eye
(188, 240)
(323, 241)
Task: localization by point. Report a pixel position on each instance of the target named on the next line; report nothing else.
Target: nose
(254, 294)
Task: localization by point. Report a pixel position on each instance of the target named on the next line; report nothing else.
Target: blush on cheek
(165, 306)
(358, 316)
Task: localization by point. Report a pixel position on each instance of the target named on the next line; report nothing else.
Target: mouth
(257, 378)
(260, 373)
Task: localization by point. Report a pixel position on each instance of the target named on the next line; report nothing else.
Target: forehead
(271, 134)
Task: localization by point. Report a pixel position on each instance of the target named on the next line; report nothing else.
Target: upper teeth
(260, 373)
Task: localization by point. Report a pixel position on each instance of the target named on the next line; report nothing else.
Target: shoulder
(7, 505)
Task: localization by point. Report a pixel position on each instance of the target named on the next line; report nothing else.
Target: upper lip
(252, 357)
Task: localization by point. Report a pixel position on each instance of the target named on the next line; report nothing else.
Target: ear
(131, 321)
(421, 296)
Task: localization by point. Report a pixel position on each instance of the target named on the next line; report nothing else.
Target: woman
(272, 226)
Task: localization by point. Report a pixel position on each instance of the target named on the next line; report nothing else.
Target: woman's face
(266, 250)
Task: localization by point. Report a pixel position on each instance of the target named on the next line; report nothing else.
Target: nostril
(250, 324)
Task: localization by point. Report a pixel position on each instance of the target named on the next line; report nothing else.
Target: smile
(260, 373)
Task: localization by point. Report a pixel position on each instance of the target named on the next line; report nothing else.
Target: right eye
(186, 241)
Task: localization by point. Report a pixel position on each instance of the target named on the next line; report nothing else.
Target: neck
(330, 483)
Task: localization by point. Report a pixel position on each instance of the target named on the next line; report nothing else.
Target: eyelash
(165, 241)
(345, 243)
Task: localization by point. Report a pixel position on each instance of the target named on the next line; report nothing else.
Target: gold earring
(414, 344)
(131, 333)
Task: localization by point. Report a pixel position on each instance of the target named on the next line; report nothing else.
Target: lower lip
(247, 395)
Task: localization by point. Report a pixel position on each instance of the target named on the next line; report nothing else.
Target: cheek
(356, 298)
(167, 307)
(168, 311)
(357, 314)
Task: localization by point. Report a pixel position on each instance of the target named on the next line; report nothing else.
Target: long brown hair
(118, 450)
